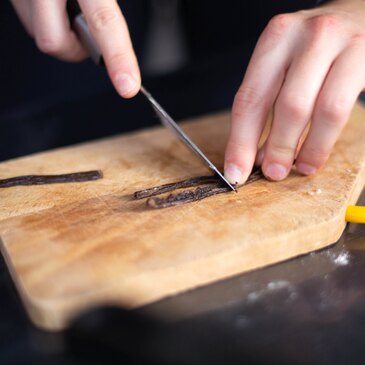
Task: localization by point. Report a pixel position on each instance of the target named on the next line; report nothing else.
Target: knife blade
(80, 27)
(168, 122)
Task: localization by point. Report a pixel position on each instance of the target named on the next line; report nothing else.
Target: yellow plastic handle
(355, 214)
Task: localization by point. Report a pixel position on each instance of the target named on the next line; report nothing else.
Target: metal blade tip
(224, 179)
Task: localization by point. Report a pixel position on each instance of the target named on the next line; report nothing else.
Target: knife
(80, 27)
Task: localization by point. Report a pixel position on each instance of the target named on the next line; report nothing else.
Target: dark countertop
(308, 310)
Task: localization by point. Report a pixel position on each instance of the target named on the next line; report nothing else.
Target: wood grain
(70, 247)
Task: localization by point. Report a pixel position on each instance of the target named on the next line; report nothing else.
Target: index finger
(256, 95)
(109, 29)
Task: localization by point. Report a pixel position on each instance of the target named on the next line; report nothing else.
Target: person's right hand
(47, 22)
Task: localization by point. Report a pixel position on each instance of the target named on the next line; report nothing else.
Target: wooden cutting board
(73, 246)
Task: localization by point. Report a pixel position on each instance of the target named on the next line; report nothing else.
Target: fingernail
(125, 84)
(306, 169)
(233, 174)
(260, 157)
(276, 172)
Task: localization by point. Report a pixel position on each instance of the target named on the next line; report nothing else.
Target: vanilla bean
(188, 196)
(255, 175)
(51, 179)
(157, 190)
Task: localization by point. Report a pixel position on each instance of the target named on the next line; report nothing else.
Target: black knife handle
(73, 9)
(80, 27)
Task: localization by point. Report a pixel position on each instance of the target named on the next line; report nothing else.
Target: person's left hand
(308, 65)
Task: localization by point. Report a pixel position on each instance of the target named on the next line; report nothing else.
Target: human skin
(47, 22)
(306, 66)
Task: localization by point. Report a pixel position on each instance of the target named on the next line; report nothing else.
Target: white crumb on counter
(270, 287)
(275, 285)
(342, 259)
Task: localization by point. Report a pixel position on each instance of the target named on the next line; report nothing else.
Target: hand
(307, 65)
(47, 22)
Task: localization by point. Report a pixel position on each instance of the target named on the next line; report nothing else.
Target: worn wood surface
(73, 246)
